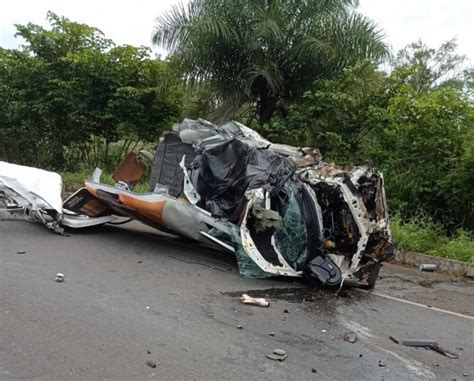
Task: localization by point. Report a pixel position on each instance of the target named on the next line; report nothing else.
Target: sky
(131, 22)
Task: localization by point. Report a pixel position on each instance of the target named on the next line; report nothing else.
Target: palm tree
(266, 52)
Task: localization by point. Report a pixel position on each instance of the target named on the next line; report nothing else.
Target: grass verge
(424, 236)
(72, 181)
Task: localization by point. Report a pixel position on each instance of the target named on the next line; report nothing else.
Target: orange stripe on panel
(152, 210)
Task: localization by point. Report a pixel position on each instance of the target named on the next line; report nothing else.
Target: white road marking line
(419, 305)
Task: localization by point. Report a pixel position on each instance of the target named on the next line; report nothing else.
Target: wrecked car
(280, 209)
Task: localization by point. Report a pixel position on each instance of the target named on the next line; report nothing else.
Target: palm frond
(270, 72)
(313, 48)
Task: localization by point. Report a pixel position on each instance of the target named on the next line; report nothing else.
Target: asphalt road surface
(132, 296)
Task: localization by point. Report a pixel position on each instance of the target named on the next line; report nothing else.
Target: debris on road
(151, 364)
(21, 252)
(59, 277)
(350, 337)
(382, 363)
(277, 355)
(271, 334)
(444, 352)
(240, 327)
(429, 344)
(35, 194)
(394, 340)
(428, 267)
(261, 302)
(418, 343)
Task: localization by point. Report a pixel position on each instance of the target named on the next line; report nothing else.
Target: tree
(69, 92)
(267, 52)
(425, 146)
(415, 123)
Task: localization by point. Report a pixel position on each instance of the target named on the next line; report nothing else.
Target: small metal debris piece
(430, 344)
(428, 267)
(59, 277)
(148, 352)
(285, 311)
(151, 364)
(419, 343)
(314, 370)
(21, 252)
(271, 334)
(276, 357)
(240, 327)
(465, 374)
(350, 337)
(394, 340)
(381, 363)
(261, 302)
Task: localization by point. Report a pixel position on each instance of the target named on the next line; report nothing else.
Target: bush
(421, 234)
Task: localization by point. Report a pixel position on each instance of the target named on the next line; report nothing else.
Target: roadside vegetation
(71, 100)
(72, 181)
(420, 234)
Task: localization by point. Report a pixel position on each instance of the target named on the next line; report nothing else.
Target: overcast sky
(131, 22)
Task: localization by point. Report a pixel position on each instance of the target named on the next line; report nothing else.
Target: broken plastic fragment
(261, 302)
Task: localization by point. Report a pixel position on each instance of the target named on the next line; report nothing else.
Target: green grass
(422, 235)
(72, 181)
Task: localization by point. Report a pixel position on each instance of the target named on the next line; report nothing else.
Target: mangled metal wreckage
(280, 209)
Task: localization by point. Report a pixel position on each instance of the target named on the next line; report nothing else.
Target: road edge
(444, 265)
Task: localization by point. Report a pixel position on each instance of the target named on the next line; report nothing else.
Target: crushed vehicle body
(36, 195)
(280, 209)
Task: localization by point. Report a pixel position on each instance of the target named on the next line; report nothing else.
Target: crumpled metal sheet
(35, 194)
(43, 187)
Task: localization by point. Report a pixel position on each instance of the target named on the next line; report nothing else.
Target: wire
(121, 222)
